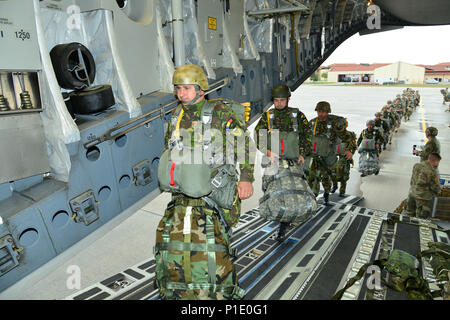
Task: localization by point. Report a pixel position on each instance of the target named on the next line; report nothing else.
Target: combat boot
(326, 195)
(282, 231)
(334, 188)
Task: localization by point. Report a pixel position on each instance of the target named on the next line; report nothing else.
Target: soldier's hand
(348, 155)
(301, 159)
(273, 157)
(245, 189)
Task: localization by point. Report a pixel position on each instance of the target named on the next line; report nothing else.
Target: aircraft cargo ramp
(316, 259)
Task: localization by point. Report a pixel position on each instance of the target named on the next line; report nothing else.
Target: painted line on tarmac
(424, 126)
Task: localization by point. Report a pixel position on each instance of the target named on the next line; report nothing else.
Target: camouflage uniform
(398, 106)
(342, 170)
(431, 146)
(379, 123)
(424, 185)
(282, 121)
(222, 115)
(407, 105)
(369, 135)
(319, 171)
(188, 273)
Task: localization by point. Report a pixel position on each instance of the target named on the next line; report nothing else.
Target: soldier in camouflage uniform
(342, 170)
(177, 274)
(325, 127)
(281, 118)
(406, 104)
(432, 145)
(398, 106)
(424, 185)
(284, 119)
(396, 116)
(382, 125)
(370, 133)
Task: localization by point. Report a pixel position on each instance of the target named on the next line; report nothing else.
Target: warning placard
(212, 23)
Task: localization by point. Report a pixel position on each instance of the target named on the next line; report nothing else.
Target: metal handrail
(108, 135)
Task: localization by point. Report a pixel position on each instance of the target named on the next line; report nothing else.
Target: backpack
(287, 196)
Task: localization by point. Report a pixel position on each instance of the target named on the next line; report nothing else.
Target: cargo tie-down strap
(210, 247)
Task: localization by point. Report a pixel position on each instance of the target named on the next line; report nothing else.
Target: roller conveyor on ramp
(316, 259)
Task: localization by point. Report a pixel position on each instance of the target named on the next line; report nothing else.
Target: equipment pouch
(179, 173)
(223, 187)
(340, 148)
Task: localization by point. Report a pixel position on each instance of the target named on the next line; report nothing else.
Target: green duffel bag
(287, 196)
(193, 254)
(178, 173)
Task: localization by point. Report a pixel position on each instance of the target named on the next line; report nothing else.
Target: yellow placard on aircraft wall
(212, 23)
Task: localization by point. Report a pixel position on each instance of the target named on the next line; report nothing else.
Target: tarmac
(129, 238)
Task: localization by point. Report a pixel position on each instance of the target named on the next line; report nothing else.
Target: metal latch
(142, 173)
(9, 254)
(85, 208)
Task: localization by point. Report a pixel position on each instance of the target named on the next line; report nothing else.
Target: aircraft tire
(65, 58)
(92, 100)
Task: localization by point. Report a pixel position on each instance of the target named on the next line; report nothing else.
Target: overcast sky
(415, 45)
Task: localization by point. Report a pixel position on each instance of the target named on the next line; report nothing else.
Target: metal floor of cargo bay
(126, 242)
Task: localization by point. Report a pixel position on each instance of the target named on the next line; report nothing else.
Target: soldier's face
(280, 103)
(377, 117)
(186, 92)
(322, 115)
(370, 127)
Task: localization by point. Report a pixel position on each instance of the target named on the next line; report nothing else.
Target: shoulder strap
(315, 125)
(294, 120)
(176, 119)
(269, 119)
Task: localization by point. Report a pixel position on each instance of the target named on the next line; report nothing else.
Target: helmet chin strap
(197, 96)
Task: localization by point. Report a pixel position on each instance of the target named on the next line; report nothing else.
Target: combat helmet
(370, 122)
(431, 131)
(323, 106)
(378, 113)
(190, 74)
(281, 91)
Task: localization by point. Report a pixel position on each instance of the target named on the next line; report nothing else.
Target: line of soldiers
(325, 145)
(379, 132)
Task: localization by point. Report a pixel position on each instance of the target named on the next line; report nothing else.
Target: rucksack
(287, 196)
